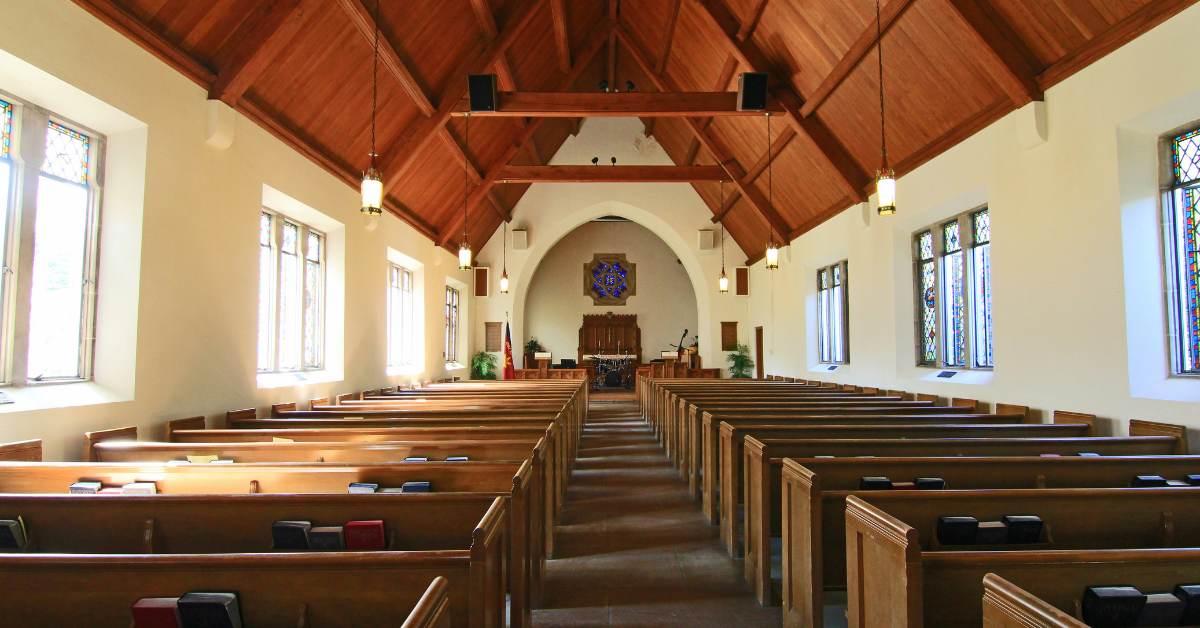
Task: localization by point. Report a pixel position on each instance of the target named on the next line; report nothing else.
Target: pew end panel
(190, 423)
(90, 439)
(803, 606)
(1138, 427)
(319, 401)
(283, 407)
(433, 609)
(1062, 416)
(233, 416)
(1007, 408)
(883, 569)
(1005, 605)
(489, 568)
(21, 451)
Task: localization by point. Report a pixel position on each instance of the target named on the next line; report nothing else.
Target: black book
(930, 484)
(1148, 481)
(1194, 480)
(1190, 594)
(991, 533)
(1023, 528)
(1112, 607)
(957, 530)
(1161, 609)
(12, 534)
(290, 535)
(209, 610)
(874, 484)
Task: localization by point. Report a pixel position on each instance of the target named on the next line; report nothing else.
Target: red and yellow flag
(510, 371)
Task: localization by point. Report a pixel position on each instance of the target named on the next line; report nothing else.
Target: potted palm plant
(483, 366)
(531, 347)
(740, 363)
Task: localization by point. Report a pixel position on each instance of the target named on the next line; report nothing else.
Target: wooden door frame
(758, 352)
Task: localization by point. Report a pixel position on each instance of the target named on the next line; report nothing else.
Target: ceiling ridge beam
(558, 15)
(1003, 59)
(265, 40)
(403, 154)
(850, 176)
(589, 52)
(607, 173)
(463, 160)
(756, 170)
(665, 53)
(365, 22)
(890, 13)
(731, 166)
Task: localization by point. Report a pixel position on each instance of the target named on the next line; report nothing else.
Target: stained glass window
(314, 301)
(451, 324)
(1182, 225)
(609, 280)
(954, 292)
(289, 298)
(832, 314)
(953, 311)
(400, 316)
(66, 154)
(6, 115)
(266, 290)
(981, 288)
(927, 298)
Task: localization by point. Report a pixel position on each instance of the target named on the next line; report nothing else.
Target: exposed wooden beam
(1002, 57)
(534, 153)
(648, 123)
(665, 53)
(611, 174)
(456, 151)
(889, 13)
(558, 14)
(400, 157)
(733, 170)
(751, 21)
(611, 75)
(620, 104)
(487, 21)
(757, 169)
(591, 48)
(249, 57)
(693, 149)
(365, 22)
(811, 130)
(504, 75)
(129, 25)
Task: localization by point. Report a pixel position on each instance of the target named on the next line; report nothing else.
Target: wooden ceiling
(302, 69)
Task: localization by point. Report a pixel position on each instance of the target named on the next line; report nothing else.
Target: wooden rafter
(889, 13)
(591, 48)
(757, 169)
(504, 75)
(487, 21)
(365, 22)
(558, 14)
(611, 174)
(850, 176)
(463, 160)
(534, 153)
(399, 158)
(665, 53)
(620, 105)
(733, 169)
(751, 21)
(1002, 57)
(249, 57)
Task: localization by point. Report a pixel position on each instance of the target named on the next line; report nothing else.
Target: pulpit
(610, 336)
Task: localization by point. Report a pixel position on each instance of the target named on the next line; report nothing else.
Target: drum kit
(613, 372)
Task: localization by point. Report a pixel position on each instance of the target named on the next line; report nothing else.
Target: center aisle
(633, 548)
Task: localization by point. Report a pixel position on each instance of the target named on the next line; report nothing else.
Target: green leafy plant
(483, 366)
(533, 346)
(740, 363)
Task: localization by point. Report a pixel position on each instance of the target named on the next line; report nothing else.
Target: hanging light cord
(504, 242)
(466, 165)
(879, 44)
(770, 184)
(375, 83)
(722, 228)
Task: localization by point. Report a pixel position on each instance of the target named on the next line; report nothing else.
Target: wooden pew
(894, 581)
(762, 483)
(814, 493)
(433, 609)
(22, 451)
(350, 434)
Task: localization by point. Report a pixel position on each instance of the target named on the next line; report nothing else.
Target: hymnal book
(140, 488)
(12, 533)
(864, 456)
(364, 535)
(1190, 594)
(1194, 480)
(1023, 528)
(874, 484)
(1145, 481)
(416, 487)
(277, 439)
(1161, 609)
(930, 484)
(220, 461)
(957, 530)
(327, 539)
(416, 459)
(155, 612)
(201, 459)
(391, 490)
(290, 535)
(109, 491)
(824, 456)
(209, 610)
(1177, 483)
(1088, 455)
(363, 487)
(1112, 607)
(991, 533)
(86, 488)
(456, 459)
(1050, 455)
(904, 486)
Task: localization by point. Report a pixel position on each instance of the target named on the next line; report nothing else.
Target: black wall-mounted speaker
(481, 89)
(752, 91)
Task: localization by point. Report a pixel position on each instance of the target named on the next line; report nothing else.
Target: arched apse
(550, 235)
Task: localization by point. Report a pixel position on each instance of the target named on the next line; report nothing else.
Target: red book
(155, 612)
(364, 535)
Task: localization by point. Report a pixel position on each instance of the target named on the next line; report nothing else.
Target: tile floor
(632, 548)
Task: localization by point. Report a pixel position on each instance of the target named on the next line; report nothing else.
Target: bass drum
(613, 379)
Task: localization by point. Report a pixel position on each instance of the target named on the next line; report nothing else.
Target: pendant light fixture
(372, 181)
(464, 249)
(723, 281)
(772, 248)
(504, 249)
(885, 179)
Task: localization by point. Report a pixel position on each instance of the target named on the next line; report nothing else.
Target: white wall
(195, 316)
(671, 211)
(1075, 261)
(665, 303)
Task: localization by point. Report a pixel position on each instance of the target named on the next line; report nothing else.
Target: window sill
(48, 396)
(454, 366)
(306, 378)
(394, 371)
(825, 368)
(977, 377)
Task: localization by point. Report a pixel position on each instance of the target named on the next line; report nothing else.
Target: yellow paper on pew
(353, 418)
(201, 459)
(276, 439)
